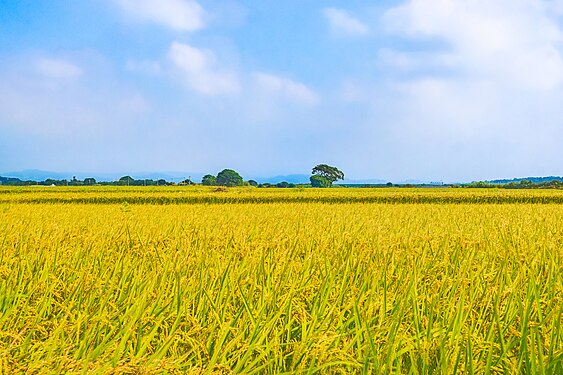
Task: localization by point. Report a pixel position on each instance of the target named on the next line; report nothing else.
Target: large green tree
(228, 177)
(209, 180)
(319, 181)
(327, 172)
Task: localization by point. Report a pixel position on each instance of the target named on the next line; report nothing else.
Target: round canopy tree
(126, 180)
(90, 181)
(209, 180)
(328, 173)
(228, 177)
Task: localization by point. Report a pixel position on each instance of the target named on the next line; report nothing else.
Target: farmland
(192, 280)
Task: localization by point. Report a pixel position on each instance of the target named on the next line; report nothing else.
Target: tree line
(90, 181)
(521, 184)
(323, 175)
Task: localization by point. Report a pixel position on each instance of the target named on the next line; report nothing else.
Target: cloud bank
(343, 23)
(199, 69)
(182, 15)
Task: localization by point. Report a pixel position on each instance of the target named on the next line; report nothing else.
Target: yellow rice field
(372, 281)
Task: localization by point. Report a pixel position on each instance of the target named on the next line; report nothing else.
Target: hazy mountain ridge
(40, 175)
(535, 180)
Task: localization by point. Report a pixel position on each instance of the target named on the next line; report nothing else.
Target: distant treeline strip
(402, 199)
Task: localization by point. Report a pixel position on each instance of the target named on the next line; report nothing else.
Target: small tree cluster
(130, 181)
(227, 177)
(281, 185)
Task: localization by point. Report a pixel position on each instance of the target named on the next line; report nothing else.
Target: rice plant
(292, 286)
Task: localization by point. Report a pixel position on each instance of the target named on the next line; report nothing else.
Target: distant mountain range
(37, 175)
(40, 175)
(535, 180)
(291, 178)
(371, 181)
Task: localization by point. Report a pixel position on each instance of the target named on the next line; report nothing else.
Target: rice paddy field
(108, 280)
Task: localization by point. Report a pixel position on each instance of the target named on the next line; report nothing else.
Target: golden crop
(282, 281)
(193, 195)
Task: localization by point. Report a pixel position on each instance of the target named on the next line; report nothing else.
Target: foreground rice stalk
(281, 288)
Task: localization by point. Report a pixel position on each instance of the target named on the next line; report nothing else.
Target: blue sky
(447, 90)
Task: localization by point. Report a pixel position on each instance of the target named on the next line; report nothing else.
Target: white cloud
(514, 41)
(58, 68)
(342, 23)
(287, 88)
(200, 70)
(495, 68)
(183, 15)
(447, 109)
(35, 105)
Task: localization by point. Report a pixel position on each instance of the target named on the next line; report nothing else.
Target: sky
(434, 90)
